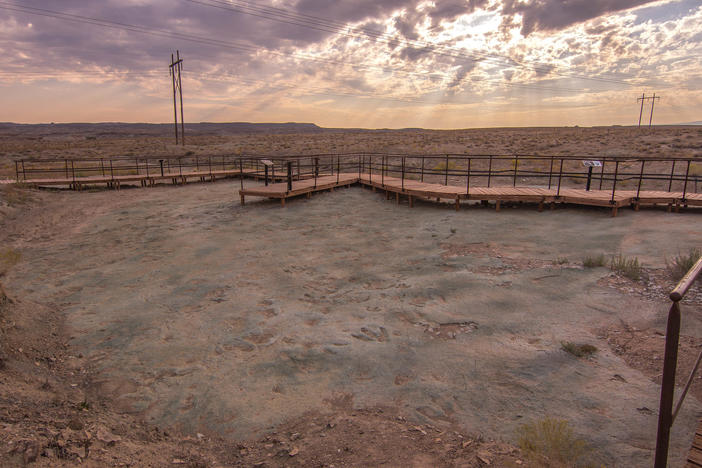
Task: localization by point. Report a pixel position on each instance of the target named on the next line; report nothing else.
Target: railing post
(331, 164)
(316, 167)
(516, 164)
(102, 167)
(445, 170)
(560, 176)
(614, 182)
(687, 174)
(604, 161)
(338, 168)
(468, 179)
(670, 359)
(241, 173)
(147, 168)
(422, 176)
(403, 173)
(265, 175)
(197, 164)
(17, 170)
(298, 168)
(490, 171)
(550, 173)
(160, 163)
(136, 161)
(370, 169)
(73, 171)
(672, 172)
(289, 176)
(382, 171)
(209, 163)
(24, 172)
(180, 167)
(112, 174)
(359, 166)
(638, 189)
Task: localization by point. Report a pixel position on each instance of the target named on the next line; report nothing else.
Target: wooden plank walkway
(694, 457)
(151, 179)
(413, 189)
(300, 187)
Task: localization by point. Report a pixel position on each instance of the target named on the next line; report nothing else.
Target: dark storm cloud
(553, 15)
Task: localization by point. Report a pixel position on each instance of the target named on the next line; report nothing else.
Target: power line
(653, 102)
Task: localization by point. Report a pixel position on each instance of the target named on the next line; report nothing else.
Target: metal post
(489, 170)
(112, 174)
(241, 173)
(73, 171)
(316, 171)
(209, 163)
(468, 179)
(147, 168)
(338, 168)
(331, 164)
(687, 174)
(160, 162)
(445, 170)
(589, 179)
(403, 173)
(382, 171)
(289, 176)
(672, 172)
(550, 173)
(17, 170)
(136, 162)
(638, 189)
(370, 169)
(298, 168)
(614, 182)
(180, 166)
(265, 174)
(24, 173)
(422, 177)
(560, 176)
(102, 167)
(604, 161)
(670, 360)
(359, 166)
(516, 164)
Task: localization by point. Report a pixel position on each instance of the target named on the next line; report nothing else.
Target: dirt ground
(588, 142)
(173, 326)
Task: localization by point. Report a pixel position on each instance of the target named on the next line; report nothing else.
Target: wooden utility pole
(653, 102)
(175, 67)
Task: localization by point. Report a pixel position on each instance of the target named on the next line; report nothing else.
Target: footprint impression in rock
(369, 334)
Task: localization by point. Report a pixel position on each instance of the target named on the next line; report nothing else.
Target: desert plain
(173, 326)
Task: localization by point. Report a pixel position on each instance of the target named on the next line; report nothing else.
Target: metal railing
(666, 414)
(680, 175)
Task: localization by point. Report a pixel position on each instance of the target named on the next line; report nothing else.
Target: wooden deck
(149, 180)
(300, 187)
(412, 190)
(694, 457)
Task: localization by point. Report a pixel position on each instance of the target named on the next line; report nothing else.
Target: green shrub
(629, 267)
(681, 264)
(578, 350)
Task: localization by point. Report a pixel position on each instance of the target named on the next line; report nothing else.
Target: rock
(75, 424)
(294, 452)
(484, 457)
(106, 437)
(31, 451)
(178, 461)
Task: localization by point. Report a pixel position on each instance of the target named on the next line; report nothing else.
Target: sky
(353, 63)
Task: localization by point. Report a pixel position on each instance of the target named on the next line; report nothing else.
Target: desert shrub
(594, 261)
(561, 261)
(680, 264)
(578, 350)
(629, 267)
(442, 166)
(8, 259)
(551, 442)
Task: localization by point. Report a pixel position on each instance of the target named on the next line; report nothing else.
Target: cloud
(553, 15)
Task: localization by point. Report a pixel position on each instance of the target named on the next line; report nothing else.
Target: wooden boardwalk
(694, 457)
(300, 187)
(412, 189)
(149, 180)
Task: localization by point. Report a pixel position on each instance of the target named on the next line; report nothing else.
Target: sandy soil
(182, 310)
(660, 142)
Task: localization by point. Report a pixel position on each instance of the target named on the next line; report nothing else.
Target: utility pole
(175, 67)
(653, 102)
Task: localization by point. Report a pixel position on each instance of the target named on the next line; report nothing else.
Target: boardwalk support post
(290, 176)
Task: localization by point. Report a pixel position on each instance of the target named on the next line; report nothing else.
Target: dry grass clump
(578, 349)
(625, 266)
(594, 261)
(550, 442)
(681, 264)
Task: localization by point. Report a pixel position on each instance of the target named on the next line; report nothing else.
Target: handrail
(666, 415)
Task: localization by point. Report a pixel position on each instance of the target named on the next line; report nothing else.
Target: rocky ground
(446, 329)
